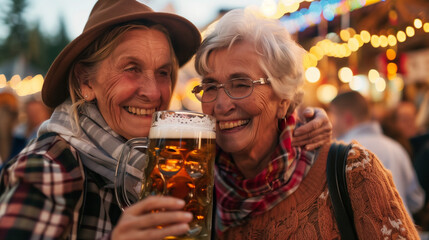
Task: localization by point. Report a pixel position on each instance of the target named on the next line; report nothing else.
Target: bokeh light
(426, 27)
(353, 44)
(329, 12)
(418, 23)
(359, 39)
(410, 31)
(317, 52)
(345, 35)
(375, 41)
(310, 60)
(326, 92)
(312, 74)
(380, 84)
(391, 40)
(383, 41)
(373, 75)
(268, 8)
(345, 74)
(366, 37)
(390, 54)
(401, 36)
(14, 81)
(392, 68)
(2, 81)
(359, 83)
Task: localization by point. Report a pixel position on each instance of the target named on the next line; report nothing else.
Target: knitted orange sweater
(308, 214)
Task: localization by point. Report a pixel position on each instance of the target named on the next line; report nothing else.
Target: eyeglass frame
(260, 81)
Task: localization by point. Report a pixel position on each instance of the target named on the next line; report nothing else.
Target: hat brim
(184, 36)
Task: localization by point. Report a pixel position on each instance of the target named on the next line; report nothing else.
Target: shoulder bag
(337, 185)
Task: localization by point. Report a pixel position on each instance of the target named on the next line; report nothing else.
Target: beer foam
(180, 132)
(173, 124)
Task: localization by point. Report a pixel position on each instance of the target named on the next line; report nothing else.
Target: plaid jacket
(46, 193)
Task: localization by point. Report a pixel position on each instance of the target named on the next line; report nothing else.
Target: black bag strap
(337, 185)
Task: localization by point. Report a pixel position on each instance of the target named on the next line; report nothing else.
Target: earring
(86, 96)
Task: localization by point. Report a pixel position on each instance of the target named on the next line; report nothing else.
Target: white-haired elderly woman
(265, 188)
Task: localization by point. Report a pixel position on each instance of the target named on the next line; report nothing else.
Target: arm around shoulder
(378, 209)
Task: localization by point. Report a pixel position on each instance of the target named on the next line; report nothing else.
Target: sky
(76, 12)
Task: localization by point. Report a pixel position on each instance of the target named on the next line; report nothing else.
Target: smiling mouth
(139, 111)
(227, 125)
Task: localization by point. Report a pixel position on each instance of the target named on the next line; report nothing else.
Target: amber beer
(181, 155)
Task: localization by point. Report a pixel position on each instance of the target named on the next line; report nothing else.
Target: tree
(38, 49)
(16, 43)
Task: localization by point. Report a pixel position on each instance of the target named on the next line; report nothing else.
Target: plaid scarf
(238, 198)
(98, 145)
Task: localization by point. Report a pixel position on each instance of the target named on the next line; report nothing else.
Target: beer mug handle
(121, 171)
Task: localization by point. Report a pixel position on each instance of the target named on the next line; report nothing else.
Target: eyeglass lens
(235, 88)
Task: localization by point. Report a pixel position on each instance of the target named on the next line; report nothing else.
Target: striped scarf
(98, 145)
(238, 198)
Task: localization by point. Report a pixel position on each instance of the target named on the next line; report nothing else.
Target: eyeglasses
(236, 88)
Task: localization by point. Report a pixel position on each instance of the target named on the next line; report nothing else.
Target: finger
(152, 233)
(308, 113)
(313, 133)
(152, 220)
(155, 203)
(315, 124)
(161, 233)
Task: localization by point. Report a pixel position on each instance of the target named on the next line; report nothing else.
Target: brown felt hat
(185, 39)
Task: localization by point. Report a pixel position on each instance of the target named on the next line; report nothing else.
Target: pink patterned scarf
(238, 199)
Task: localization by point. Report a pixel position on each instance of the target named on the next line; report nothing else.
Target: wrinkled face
(242, 124)
(133, 82)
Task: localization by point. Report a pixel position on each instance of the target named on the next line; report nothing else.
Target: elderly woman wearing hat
(104, 87)
(265, 188)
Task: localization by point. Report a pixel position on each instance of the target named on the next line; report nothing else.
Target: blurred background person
(420, 145)
(420, 142)
(35, 113)
(350, 116)
(400, 124)
(10, 145)
(405, 116)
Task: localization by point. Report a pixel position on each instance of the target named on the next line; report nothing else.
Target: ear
(81, 74)
(282, 108)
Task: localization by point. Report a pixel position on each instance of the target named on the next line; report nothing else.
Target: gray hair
(281, 56)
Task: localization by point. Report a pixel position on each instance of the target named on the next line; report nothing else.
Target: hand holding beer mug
(180, 156)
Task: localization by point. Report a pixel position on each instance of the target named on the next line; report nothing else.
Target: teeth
(232, 124)
(140, 111)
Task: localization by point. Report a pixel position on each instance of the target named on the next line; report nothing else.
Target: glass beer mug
(179, 161)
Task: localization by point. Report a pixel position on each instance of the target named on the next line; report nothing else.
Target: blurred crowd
(20, 118)
(398, 135)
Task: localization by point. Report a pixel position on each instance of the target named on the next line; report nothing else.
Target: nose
(223, 103)
(148, 87)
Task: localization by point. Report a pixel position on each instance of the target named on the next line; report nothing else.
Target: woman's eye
(240, 85)
(164, 73)
(210, 87)
(131, 69)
